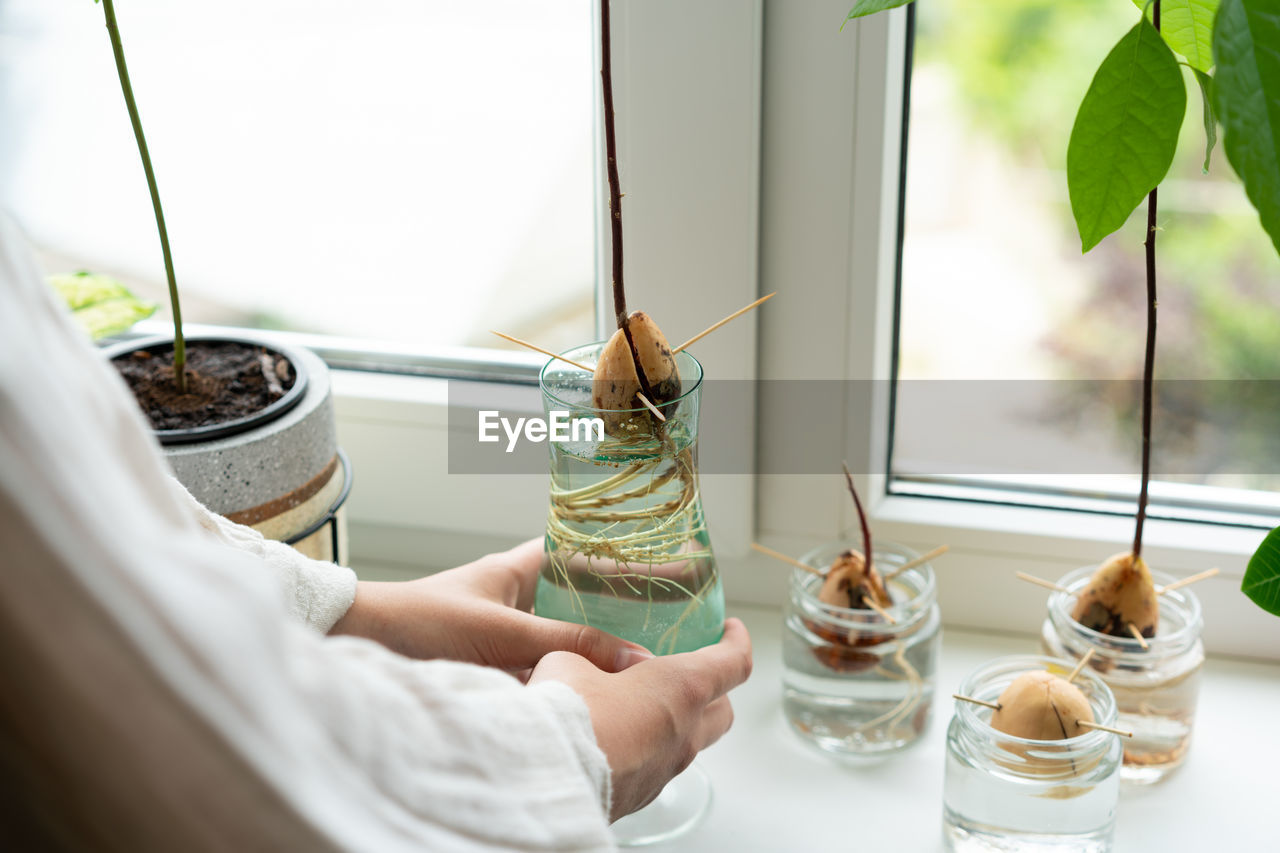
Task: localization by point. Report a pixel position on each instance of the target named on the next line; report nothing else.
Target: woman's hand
(479, 613)
(652, 719)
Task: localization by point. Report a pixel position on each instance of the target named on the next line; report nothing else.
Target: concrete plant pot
(278, 470)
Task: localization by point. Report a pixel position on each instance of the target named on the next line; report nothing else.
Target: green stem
(179, 343)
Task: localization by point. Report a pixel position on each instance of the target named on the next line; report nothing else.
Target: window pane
(415, 172)
(994, 286)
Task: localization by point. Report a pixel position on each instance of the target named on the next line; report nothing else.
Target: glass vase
(627, 549)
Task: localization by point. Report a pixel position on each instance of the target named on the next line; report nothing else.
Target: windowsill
(774, 792)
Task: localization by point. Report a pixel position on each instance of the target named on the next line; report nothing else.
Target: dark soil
(226, 381)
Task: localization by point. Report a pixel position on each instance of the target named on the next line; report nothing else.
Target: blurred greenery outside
(1017, 70)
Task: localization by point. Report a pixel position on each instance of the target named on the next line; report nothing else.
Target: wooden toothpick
(1023, 576)
(1079, 666)
(643, 399)
(918, 561)
(735, 315)
(884, 614)
(1137, 635)
(769, 552)
(995, 706)
(537, 348)
(1187, 581)
(1102, 728)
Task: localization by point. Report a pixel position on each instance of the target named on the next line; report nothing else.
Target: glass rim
(1169, 643)
(1087, 742)
(684, 394)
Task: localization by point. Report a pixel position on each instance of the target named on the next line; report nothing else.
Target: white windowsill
(773, 792)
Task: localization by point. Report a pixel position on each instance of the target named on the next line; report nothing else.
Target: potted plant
(246, 424)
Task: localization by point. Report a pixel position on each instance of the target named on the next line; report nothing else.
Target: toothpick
(643, 399)
(1186, 581)
(769, 552)
(735, 315)
(1137, 635)
(918, 561)
(536, 348)
(1102, 728)
(1084, 660)
(884, 614)
(1023, 576)
(995, 706)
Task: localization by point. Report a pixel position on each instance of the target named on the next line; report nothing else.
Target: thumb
(603, 650)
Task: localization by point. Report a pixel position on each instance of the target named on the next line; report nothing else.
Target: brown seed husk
(1120, 592)
(657, 364)
(850, 582)
(1041, 706)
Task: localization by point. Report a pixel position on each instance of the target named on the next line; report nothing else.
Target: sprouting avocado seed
(657, 364)
(850, 582)
(1042, 706)
(1120, 593)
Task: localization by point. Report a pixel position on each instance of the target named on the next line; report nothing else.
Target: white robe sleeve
(376, 751)
(316, 592)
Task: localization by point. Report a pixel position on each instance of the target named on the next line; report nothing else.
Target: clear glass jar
(853, 683)
(1009, 793)
(1155, 688)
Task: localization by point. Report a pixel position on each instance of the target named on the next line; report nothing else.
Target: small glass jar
(853, 682)
(1155, 687)
(1003, 792)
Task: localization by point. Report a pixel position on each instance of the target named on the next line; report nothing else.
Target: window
(404, 172)
(832, 116)
(993, 287)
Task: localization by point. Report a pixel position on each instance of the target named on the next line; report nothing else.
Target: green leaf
(1262, 577)
(1246, 96)
(1210, 124)
(862, 8)
(100, 305)
(1125, 132)
(1187, 26)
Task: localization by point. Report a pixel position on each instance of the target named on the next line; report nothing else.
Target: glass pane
(416, 172)
(994, 286)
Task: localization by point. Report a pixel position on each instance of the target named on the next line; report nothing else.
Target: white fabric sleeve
(376, 751)
(318, 593)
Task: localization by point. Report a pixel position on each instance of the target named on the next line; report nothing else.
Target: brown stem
(862, 519)
(1149, 361)
(615, 196)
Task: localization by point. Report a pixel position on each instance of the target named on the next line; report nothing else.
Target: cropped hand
(653, 718)
(479, 613)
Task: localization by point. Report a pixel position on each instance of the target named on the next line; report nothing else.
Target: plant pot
(277, 469)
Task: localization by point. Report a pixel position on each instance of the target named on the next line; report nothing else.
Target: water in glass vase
(627, 549)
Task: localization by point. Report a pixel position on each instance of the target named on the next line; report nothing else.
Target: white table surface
(773, 792)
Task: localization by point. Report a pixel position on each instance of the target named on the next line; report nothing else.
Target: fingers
(723, 666)
(531, 637)
(524, 562)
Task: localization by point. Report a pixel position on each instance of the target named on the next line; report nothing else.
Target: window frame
(842, 156)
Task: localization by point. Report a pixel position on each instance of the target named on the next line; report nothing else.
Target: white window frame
(829, 229)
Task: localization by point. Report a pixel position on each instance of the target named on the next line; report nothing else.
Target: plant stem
(862, 519)
(615, 197)
(179, 343)
(1149, 361)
